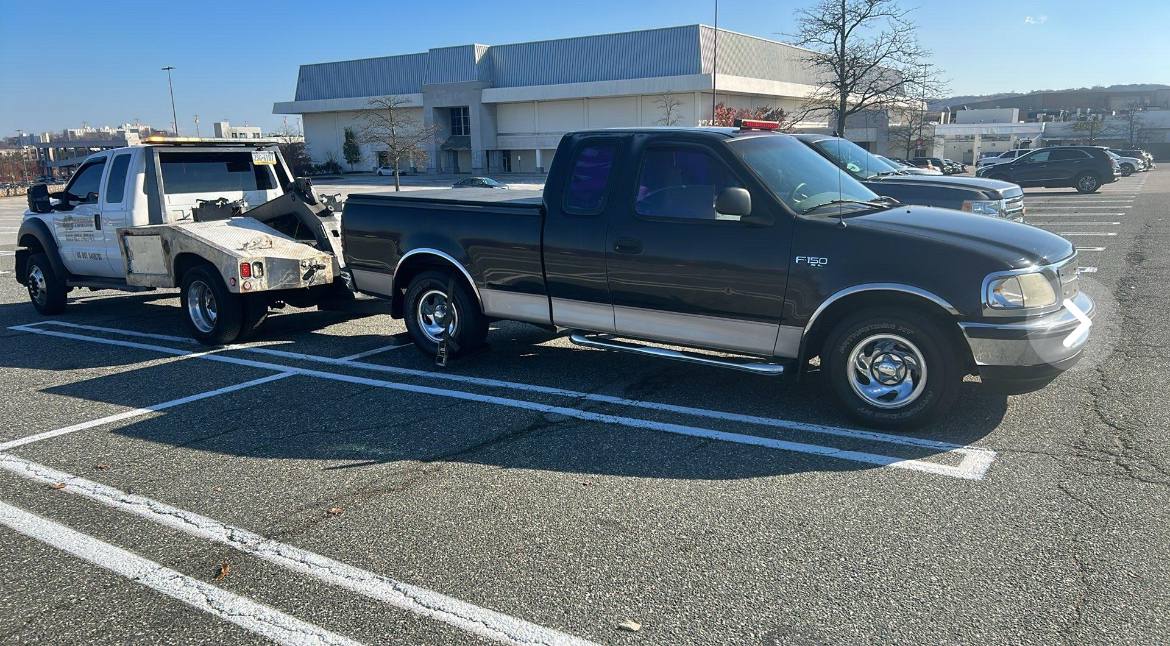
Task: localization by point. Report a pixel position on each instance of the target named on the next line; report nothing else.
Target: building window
(460, 121)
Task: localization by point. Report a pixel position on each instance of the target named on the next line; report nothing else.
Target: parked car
(1085, 168)
(478, 182)
(958, 167)
(930, 162)
(910, 169)
(1002, 158)
(1128, 164)
(743, 245)
(1139, 154)
(388, 171)
(972, 194)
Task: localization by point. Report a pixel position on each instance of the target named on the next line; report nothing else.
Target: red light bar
(756, 124)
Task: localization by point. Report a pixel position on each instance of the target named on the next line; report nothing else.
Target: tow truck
(224, 220)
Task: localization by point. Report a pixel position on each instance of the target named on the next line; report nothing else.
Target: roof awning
(457, 142)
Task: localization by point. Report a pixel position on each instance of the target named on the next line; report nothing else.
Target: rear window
(213, 172)
(589, 178)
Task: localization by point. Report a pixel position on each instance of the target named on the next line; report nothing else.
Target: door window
(681, 182)
(87, 180)
(1037, 157)
(116, 184)
(589, 178)
(1066, 154)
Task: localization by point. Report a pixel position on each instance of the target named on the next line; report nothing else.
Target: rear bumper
(1031, 352)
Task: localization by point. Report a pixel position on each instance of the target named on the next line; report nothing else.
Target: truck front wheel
(439, 305)
(891, 370)
(214, 315)
(46, 289)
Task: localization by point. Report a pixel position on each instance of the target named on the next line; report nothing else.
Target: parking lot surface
(326, 483)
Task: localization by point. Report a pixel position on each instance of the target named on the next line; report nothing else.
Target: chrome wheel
(1088, 183)
(201, 306)
(38, 288)
(887, 371)
(436, 313)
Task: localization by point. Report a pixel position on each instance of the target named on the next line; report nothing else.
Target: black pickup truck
(973, 194)
(737, 248)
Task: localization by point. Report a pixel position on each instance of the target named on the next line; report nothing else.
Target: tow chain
(447, 346)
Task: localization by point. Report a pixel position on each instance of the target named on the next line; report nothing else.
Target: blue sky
(99, 61)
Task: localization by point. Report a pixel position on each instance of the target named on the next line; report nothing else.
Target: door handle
(97, 221)
(627, 245)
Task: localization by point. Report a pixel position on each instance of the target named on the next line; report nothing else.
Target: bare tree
(906, 135)
(867, 56)
(669, 106)
(390, 124)
(1134, 130)
(1094, 128)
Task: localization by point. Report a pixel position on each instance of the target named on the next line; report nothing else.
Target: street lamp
(174, 115)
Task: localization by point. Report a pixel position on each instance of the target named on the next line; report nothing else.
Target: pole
(714, 62)
(196, 126)
(171, 87)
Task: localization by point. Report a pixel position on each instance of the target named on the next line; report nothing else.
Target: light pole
(171, 87)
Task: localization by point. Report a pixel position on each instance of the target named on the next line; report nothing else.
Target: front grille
(1070, 277)
(1014, 205)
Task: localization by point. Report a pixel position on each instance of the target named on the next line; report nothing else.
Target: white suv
(1003, 158)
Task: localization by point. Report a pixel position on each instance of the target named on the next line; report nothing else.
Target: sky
(69, 62)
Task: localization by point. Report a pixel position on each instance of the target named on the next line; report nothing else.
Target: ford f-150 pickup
(732, 247)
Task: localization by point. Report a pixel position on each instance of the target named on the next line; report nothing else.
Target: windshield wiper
(882, 203)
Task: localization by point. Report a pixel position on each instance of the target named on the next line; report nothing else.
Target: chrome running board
(609, 342)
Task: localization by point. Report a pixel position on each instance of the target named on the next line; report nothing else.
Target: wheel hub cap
(437, 316)
(37, 288)
(887, 371)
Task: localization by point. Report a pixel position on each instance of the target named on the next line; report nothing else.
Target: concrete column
(539, 161)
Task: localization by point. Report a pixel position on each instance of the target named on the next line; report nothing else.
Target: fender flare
(39, 230)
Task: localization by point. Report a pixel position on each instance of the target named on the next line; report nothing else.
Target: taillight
(245, 270)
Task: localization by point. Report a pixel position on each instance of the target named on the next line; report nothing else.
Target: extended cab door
(79, 230)
(679, 272)
(117, 202)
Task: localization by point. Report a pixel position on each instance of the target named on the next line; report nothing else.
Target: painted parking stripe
(1094, 214)
(974, 465)
(138, 412)
(1090, 249)
(419, 601)
(559, 392)
(1087, 270)
(1080, 224)
(241, 611)
(1085, 233)
(370, 353)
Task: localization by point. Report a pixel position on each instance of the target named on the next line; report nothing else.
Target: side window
(681, 183)
(1067, 154)
(116, 184)
(1037, 158)
(88, 179)
(589, 178)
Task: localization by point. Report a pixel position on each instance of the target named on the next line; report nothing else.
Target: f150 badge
(812, 261)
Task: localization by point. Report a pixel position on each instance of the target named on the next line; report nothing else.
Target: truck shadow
(349, 426)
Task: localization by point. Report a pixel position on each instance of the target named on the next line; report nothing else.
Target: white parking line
(974, 465)
(557, 392)
(241, 611)
(420, 601)
(1091, 249)
(370, 353)
(138, 412)
(1084, 233)
(1087, 270)
(1076, 224)
(1093, 214)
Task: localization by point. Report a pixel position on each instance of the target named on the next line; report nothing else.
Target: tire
(1126, 170)
(46, 289)
(214, 315)
(1087, 183)
(897, 339)
(470, 325)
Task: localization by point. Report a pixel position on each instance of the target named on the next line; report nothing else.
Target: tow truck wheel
(891, 370)
(46, 289)
(214, 315)
(437, 305)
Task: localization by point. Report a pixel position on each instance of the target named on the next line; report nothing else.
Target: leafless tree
(669, 106)
(1134, 130)
(390, 124)
(1093, 128)
(867, 56)
(904, 137)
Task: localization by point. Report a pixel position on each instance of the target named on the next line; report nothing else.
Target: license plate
(263, 158)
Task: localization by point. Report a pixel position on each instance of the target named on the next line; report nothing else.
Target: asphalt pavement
(326, 483)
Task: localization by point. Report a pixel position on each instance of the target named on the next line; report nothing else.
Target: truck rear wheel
(891, 370)
(46, 289)
(438, 304)
(214, 315)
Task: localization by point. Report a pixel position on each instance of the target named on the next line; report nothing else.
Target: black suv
(1085, 168)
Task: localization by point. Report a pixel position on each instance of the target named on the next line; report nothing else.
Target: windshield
(796, 174)
(860, 163)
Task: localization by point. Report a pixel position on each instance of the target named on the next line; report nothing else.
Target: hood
(1001, 188)
(1014, 244)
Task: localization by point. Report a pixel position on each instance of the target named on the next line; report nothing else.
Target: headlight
(1022, 291)
(985, 207)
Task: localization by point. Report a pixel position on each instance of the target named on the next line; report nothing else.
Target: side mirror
(733, 202)
(38, 199)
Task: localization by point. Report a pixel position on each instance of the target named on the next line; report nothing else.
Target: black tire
(1126, 170)
(46, 289)
(221, 318)
(471, 326)
(255, 313)
(1087, 183)
(939, 372)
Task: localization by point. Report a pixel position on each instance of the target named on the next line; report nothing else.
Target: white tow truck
(222, 219)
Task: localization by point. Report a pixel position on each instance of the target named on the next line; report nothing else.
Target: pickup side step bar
(609, 342)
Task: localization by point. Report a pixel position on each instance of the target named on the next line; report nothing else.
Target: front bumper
(1030, 352)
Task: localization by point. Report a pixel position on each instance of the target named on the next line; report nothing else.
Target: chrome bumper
(1050, 340)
